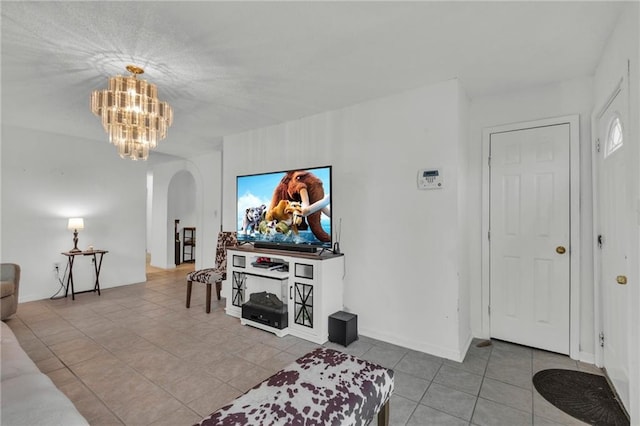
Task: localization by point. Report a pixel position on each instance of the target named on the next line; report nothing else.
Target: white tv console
(312, 288)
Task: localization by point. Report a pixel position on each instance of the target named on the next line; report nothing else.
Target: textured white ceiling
(226, 67)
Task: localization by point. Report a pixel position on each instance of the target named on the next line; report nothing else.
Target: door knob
(621, 279)
(561, 250)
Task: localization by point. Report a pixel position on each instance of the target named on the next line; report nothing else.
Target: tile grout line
(68, 368)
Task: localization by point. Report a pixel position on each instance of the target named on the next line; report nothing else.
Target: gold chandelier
(131, 114)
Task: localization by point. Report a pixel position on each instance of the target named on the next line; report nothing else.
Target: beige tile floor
(136, 356)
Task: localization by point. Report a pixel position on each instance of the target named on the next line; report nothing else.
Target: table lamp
(75, 223)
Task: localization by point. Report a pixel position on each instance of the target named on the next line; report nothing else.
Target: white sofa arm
(29, 397)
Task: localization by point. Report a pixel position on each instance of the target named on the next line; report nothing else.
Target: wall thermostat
(430, 179)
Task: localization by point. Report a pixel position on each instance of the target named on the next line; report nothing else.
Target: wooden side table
(97, 264)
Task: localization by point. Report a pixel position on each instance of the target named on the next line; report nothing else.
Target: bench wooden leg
(189, 294)
(383, 415)
(218, 288)
(208, 298)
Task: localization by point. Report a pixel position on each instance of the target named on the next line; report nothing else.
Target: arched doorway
(178, 192)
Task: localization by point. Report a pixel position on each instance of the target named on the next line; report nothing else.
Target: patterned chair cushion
(324, 387)
(206, 276)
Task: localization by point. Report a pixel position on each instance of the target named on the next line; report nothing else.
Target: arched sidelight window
(614, 136)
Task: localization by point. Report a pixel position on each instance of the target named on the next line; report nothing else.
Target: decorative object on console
(75, 223)
(218, 273)
(336, 244)
(285, 210)
(131, 114)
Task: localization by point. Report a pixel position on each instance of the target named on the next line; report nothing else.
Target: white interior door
(529, 237)
(612, 229)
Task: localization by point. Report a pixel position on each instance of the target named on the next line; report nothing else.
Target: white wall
(182, 199)
(161, 240)
(208, 208)
(205, 171)
(402, 245)
(563, 98)
(47, 178)
(624, 46)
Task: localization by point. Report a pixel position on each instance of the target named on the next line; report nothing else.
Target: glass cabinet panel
(237, 288)
(303, 304)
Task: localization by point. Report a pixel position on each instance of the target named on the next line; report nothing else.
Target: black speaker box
(343, 328)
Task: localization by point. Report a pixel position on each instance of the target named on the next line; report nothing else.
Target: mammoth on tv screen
(289, 209)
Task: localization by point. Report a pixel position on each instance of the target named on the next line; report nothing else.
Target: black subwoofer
(343, 328)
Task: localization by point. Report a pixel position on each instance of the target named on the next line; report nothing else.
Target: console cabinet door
(305, 299)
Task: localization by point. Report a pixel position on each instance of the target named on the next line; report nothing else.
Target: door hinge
(489, 235)
(489, 161)
(600, 241)
(489, 309)
(602, 339)
(598, 145)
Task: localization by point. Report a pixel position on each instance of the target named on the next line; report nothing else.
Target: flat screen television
(287, 210)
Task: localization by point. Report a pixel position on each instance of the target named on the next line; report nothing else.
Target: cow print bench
(324, 387)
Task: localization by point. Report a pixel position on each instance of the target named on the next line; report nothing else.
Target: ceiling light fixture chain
(131, 114)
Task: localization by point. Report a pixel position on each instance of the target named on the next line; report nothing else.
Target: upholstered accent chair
(216, 274)
(9, 286)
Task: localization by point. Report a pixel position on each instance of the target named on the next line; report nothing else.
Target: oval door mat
(585, 396)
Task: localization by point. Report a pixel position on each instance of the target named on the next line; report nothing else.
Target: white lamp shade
(75, 223)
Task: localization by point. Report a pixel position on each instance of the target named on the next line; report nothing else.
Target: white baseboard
(587, 358)
(435, 350)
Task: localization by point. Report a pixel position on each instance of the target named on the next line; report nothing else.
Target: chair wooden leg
(218, 288)
(383, 415)
(189, 294)
(208, 298)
